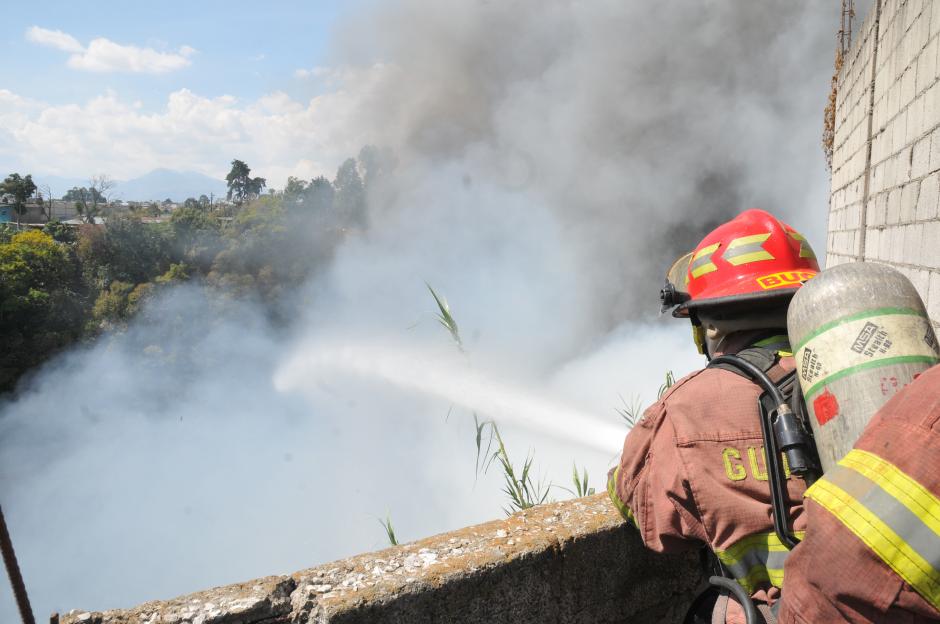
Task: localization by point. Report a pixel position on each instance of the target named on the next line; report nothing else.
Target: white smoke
(552, 158)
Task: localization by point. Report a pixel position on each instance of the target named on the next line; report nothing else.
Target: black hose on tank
(771, 452)
(734, 588)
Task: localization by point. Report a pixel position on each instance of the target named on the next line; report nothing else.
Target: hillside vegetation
(62, 285)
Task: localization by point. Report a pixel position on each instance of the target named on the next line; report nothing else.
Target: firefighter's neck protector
(720, 329)
(750, 262)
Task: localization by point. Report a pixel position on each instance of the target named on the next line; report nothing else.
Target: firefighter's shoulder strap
(765, 359)
(761, 357)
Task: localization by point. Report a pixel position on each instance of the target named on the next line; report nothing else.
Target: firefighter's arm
(650, 489)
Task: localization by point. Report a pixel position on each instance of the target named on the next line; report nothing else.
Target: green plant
(630, 412)
(580, 482)
(668, 383)
(389, 529)
(523, 491)
(445, 318)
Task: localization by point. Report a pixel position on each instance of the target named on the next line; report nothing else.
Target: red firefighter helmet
(754, 259)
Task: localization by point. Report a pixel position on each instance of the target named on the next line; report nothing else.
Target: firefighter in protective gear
(692, 470)
(872, 548)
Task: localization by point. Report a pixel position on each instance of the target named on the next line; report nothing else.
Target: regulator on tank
(860, 333)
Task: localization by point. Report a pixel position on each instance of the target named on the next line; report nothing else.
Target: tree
(21, 189)
(196, 234)
(60, 232)
(241, 186)
(46, 206)
(319, 196)
(80, 193)
(90, 201)
(41, 300)
(350, 193)
(293, 192)
(204, 202)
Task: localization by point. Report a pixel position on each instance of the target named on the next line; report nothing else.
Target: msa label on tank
(879, 338)
(872, 339)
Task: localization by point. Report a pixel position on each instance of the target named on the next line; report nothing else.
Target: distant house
(79, 221)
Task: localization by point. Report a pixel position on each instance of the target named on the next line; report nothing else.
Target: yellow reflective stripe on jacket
(756, 559)
(894, 515)
(619, 504)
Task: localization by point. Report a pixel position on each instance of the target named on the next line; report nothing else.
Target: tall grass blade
(445, 318)
(389, 529)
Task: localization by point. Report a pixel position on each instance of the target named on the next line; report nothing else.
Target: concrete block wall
(569, 562)
(886, 158)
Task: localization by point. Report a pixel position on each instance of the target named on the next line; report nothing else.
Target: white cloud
(316, 72)
(54, 39)
(277, 135)
(104, 55)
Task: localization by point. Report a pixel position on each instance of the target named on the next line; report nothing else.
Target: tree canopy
(241, 186)
(21, 188)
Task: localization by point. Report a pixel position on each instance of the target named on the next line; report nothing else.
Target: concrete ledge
(574, 561)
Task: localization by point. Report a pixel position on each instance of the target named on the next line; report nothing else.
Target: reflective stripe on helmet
(756, 559)
(702, 261)
(805, 250)
(894, 515)
(747, 249)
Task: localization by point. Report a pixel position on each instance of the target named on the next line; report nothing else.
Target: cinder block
(909, 193)
(899, 129)
(876, 181)
(933, 297)
(926, 62)
(884, 243)
(891, 177)
(897, 245)
(934, 18)
(877, 210)
(920, 27)
(893, 214)
(915, 115)
(907, 86)
(920, 158)
(927, 200)
(853, 216)
(919, 278)
(935, 149)
(931, 245)
(872, 244)
(913, 240)
(894, 98)
(932, 107)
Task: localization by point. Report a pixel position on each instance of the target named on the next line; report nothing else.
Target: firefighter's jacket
(872, 546)
(692, 473)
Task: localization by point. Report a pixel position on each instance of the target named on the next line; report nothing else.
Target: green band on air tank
(901, 359)
(854, 317)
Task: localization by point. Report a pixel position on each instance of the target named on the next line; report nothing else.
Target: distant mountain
(157, 185)
(161, 184)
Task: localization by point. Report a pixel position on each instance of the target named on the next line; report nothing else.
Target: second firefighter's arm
(650, 489)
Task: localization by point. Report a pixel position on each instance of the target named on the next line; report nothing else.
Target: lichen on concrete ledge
(574, 561)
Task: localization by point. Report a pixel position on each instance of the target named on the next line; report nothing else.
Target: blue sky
(242, 48)
(242, 51)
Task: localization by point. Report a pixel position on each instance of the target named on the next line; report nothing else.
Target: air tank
(860, 333)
